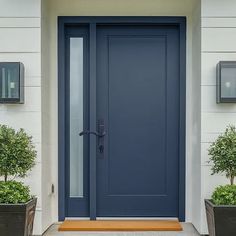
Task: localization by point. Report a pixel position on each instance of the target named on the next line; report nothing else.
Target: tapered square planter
(17, 219)
(221, 219)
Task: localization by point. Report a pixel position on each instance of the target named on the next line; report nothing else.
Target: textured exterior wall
(20, 41)
(218, 43)
(47, 196)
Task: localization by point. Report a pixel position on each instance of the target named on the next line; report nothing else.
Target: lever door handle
(86, 132)
(100, 134)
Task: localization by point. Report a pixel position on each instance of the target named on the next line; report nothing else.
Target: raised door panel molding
(20, 8)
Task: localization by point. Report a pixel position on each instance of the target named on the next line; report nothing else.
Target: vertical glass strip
(76, 117)
(9, 83)
(3, 83)
(228, 82)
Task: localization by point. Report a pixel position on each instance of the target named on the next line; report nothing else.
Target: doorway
(121, 117)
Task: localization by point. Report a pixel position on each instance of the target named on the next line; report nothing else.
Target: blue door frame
(92, 23)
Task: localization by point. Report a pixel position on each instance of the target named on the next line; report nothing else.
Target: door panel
(137, 84)
(138, 98)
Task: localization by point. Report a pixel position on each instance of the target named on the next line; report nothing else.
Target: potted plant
(17, 206)
(221, 209)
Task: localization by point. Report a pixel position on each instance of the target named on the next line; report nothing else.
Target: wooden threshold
(120, 225)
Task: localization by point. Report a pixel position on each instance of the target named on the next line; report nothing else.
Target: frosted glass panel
(76, 117)
(9, 83)
(228, 82)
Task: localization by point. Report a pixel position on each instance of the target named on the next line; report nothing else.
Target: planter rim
(19, 204)
(209, 201)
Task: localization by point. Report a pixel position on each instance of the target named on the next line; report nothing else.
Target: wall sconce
(11, 82)
(226, 82)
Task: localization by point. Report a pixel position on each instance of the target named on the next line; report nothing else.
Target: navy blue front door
(138, 99)
(122, 88)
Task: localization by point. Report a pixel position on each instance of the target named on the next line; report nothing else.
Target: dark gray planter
(17, 219)
(221, 219)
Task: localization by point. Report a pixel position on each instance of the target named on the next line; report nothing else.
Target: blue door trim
(63, 22)
(92, 125)
(61, 122)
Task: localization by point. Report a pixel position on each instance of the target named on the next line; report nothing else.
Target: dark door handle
(99, 135)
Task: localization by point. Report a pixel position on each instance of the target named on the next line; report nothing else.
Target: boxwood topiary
(223, 154)
(224, 195)
(17, 154)
(13, 192)
(17, 157)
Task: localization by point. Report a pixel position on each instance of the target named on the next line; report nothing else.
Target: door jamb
(63, 22)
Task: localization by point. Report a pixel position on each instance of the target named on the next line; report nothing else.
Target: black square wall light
(226, 82)
(11, 82)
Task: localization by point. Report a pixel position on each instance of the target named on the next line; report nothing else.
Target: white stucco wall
(218, 43)
(20, 41)
(195, 120)
(47, 139)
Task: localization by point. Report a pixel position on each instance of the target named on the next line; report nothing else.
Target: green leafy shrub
(17, 154)
(223, 154)
(13, 192)
(224, 195)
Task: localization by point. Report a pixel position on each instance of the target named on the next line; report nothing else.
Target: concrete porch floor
(189, 230)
